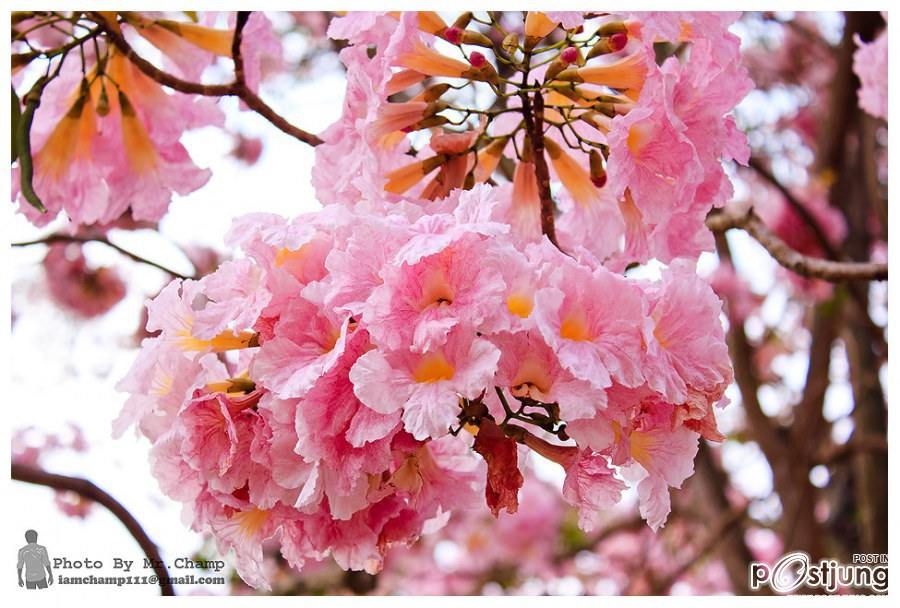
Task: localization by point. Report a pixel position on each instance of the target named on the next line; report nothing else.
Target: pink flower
(159, 382)
(592, 321)
(870, 62)
(308, 343)
(686, 350)
(656, 454)
(88, 292)
(528, 368)
(354, 267)
(235, 297)
(427, 386)
(350, 164)
(97, 165)
(688, 26)
(173, 313)
(346, 440)
(653, 159)
(591, 487)
(590, 484)
(569, 20)
(421, 301)
(261, 48)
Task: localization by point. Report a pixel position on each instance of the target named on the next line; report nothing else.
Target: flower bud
(462, 22)
(510, 44)
(452, 34)
(556, 66)
(569, 55)
(613, 27)
(435, 91)
(477, 39)
(569, 75)
(103, 102)
(481, 69)
(598, 171)
(608, 44)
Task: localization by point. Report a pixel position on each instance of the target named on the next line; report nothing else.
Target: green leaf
(16, 118)
(23, 144)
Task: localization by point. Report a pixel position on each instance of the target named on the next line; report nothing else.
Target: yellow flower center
(519, 304)
(575, 327)
(251, 522)
(433, 367)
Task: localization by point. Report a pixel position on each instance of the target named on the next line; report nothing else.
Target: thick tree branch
(87, 489)
(65, 238)
(804, 265)
(834, 454)
(761, 427)
(238, 88)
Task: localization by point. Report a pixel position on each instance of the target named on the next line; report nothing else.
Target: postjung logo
(795, 570)
(35, 561)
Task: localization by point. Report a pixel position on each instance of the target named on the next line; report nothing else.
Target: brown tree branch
(87, 489)
(713, 541)
(237, 55)
(804, 265)
(761, 428)
(534, 127)
(834, 454)
(238, 88)
(797, 205)
(65, 238)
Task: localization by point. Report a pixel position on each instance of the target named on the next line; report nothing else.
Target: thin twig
(87, 489)
(65, 238)
(804, 265)
(713, 541)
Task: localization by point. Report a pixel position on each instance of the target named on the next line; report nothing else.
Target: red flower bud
(599, 181)
(569, 55)
(477, 59)
(453, 35)
(618, 41)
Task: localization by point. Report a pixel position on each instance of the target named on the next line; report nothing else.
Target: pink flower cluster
(106, 139)
(354, 339)
(870, 62)
(346, 384)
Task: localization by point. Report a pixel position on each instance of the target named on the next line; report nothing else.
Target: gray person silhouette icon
(33, 557)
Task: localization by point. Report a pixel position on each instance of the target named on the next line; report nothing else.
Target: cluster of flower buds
(568, 98)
